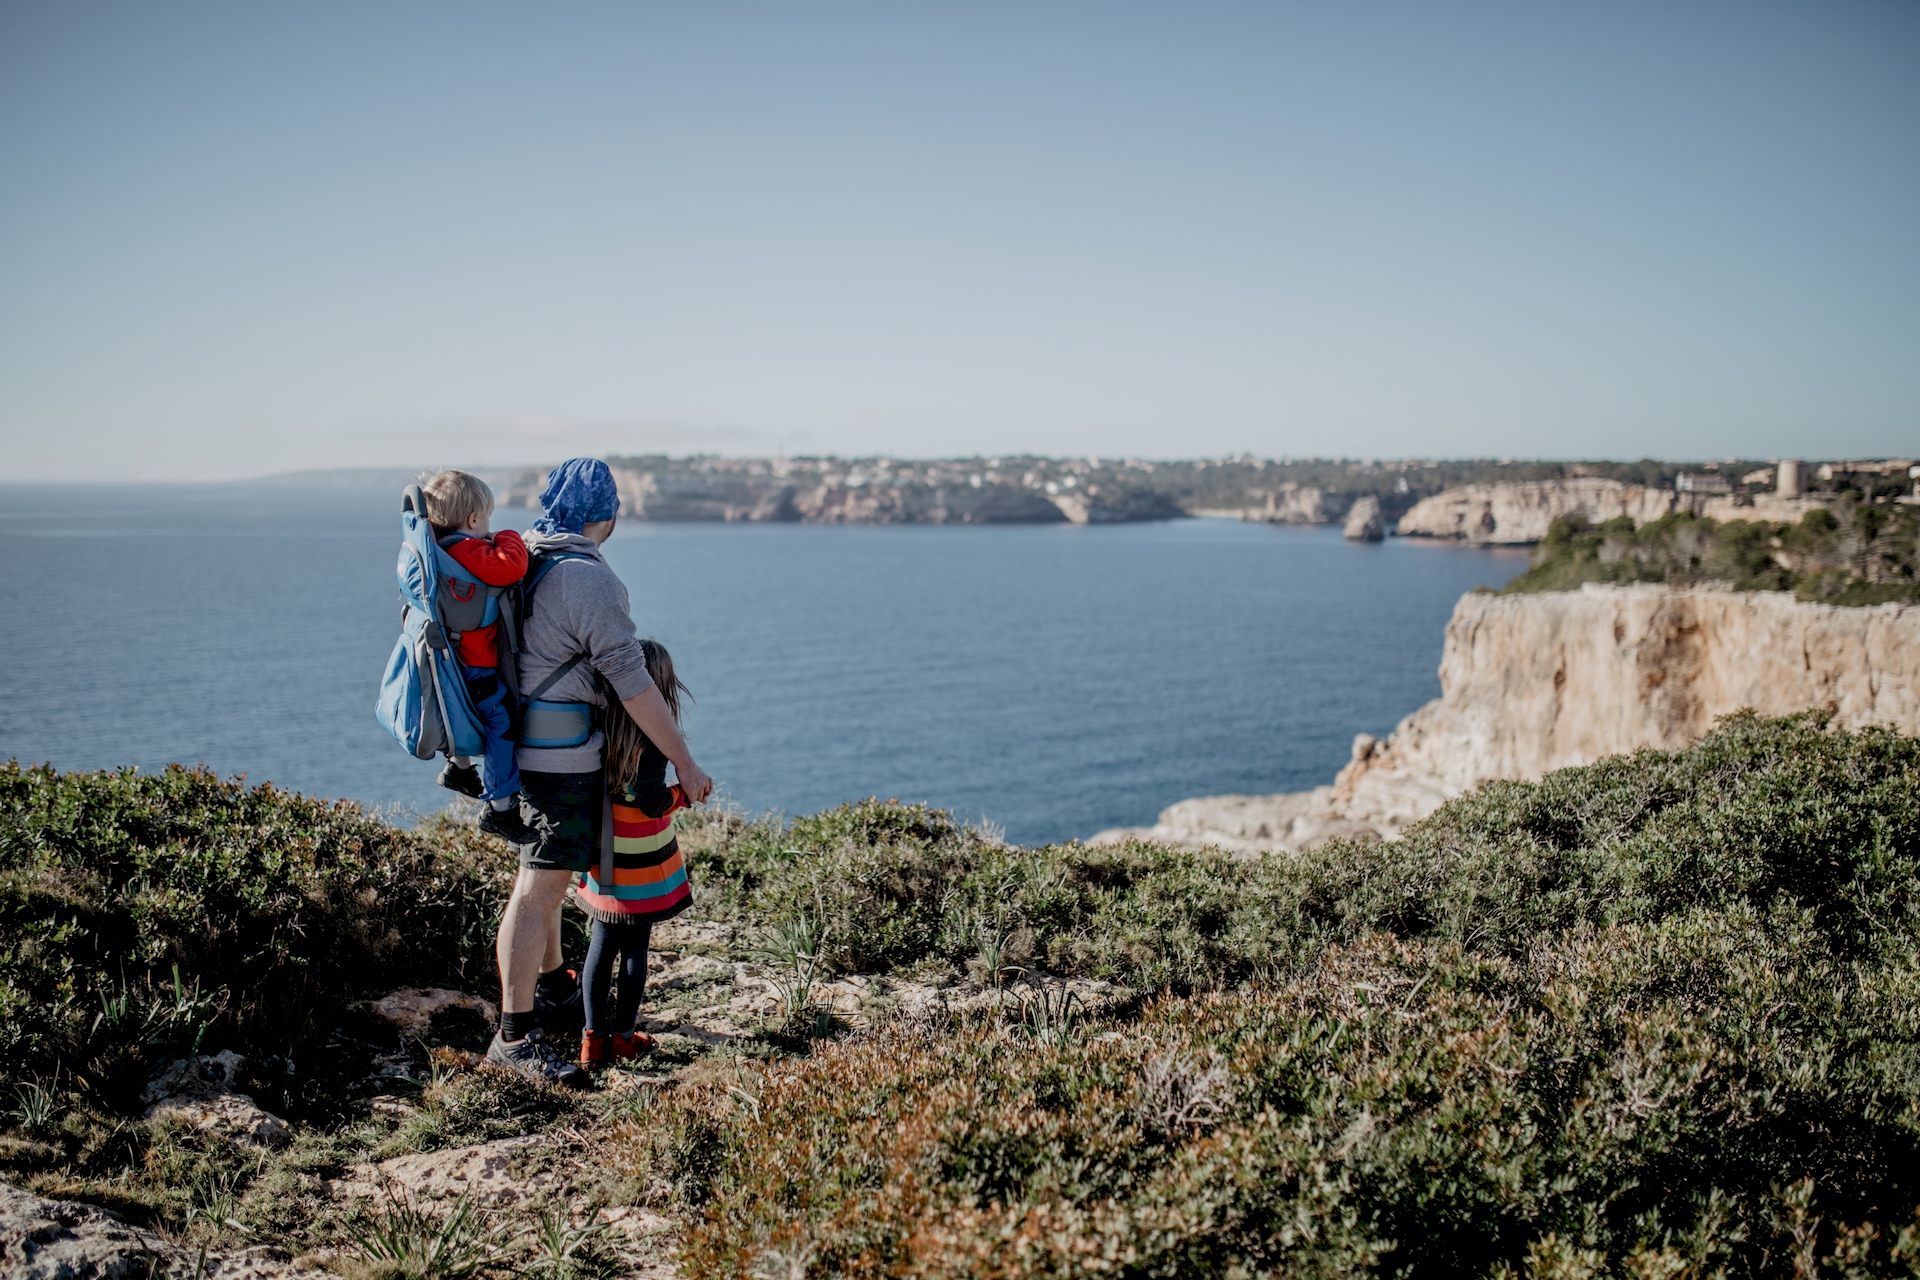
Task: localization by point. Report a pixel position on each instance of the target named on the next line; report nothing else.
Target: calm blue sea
(1053, 680)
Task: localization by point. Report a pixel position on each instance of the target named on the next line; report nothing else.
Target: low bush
(1758, 811)
(1658, 1016)
(477, 1106)
(141, 914)
(903, 888)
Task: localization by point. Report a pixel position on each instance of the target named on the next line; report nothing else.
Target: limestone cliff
(1364, 522)
(1521, 512)
(1531, 683)
(1512, 513)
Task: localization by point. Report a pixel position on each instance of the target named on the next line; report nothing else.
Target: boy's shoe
(535, 1059)
(596, 1048)
(557, 1006)
(508, 825)
(624, 1046)
(463, 778)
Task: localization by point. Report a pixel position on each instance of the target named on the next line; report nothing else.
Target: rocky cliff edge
(1519, 513)
(1532, 683)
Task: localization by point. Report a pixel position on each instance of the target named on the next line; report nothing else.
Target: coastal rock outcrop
(1305, 504)
(1522, 512)
(1532, 683)
(1364, 522)
(1117, 508)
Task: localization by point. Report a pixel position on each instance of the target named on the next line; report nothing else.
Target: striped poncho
(649, 880)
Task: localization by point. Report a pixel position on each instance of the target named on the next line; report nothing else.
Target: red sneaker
(597, 1048)
(626, 1046)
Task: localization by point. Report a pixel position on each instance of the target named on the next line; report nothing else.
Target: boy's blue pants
(499, 775)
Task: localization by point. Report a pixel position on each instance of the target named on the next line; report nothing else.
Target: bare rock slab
(411, 1009)
(44, 1239)
(200, 1092)
(486, 1171)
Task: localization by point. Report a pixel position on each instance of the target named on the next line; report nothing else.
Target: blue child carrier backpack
(423, 696)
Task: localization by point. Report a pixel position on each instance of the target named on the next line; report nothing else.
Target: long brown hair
(625, 741)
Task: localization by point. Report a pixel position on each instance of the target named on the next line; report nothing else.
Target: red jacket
(498, 561)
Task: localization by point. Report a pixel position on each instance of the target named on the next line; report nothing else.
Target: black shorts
(568, 807)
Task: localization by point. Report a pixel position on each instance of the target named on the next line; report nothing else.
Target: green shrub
(141, 913)
(478, 1106)
(1631, 838)
(900, 886)
(404, 1241)
(1655, 1016)
(885, 865)
(1856, 553)
(1405, 1108)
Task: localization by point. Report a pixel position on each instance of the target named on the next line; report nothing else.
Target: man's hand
(694, 781)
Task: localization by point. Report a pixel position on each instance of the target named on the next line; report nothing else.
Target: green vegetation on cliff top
(1857, 553)
(1657, 1016)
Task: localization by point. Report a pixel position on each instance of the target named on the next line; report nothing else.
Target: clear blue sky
(242, 238)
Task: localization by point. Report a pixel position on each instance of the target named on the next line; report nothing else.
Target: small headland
(1620, 635)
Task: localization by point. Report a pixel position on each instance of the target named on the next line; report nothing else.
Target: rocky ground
(710, 1009)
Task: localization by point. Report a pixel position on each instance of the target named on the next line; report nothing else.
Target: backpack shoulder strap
(538, 565)
(519, 597)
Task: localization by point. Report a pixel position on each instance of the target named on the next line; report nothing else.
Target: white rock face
(1532, 683)
(60, 1240)
(1304, 504)
(1522, 512)
(1363, 521)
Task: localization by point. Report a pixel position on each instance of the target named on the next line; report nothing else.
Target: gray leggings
(627, 941)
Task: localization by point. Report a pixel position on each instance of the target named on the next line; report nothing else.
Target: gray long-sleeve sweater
(580, 607)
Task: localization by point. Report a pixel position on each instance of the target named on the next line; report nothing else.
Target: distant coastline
(1471, 500)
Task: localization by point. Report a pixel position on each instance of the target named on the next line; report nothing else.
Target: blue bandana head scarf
(579, 491)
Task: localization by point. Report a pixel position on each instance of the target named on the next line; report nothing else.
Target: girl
(649, 878)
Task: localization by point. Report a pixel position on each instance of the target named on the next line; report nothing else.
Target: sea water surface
(1053, 680)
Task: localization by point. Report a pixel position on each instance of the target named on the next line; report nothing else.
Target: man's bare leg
(554, 958)
(530, 935)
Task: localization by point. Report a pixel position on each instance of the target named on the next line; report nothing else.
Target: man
(579, 616)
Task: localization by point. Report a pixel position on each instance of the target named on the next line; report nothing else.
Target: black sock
(514, 1026)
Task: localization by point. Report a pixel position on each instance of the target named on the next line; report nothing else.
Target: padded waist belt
(556, 724)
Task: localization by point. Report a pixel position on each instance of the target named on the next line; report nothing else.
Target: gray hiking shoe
(536, 1059)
